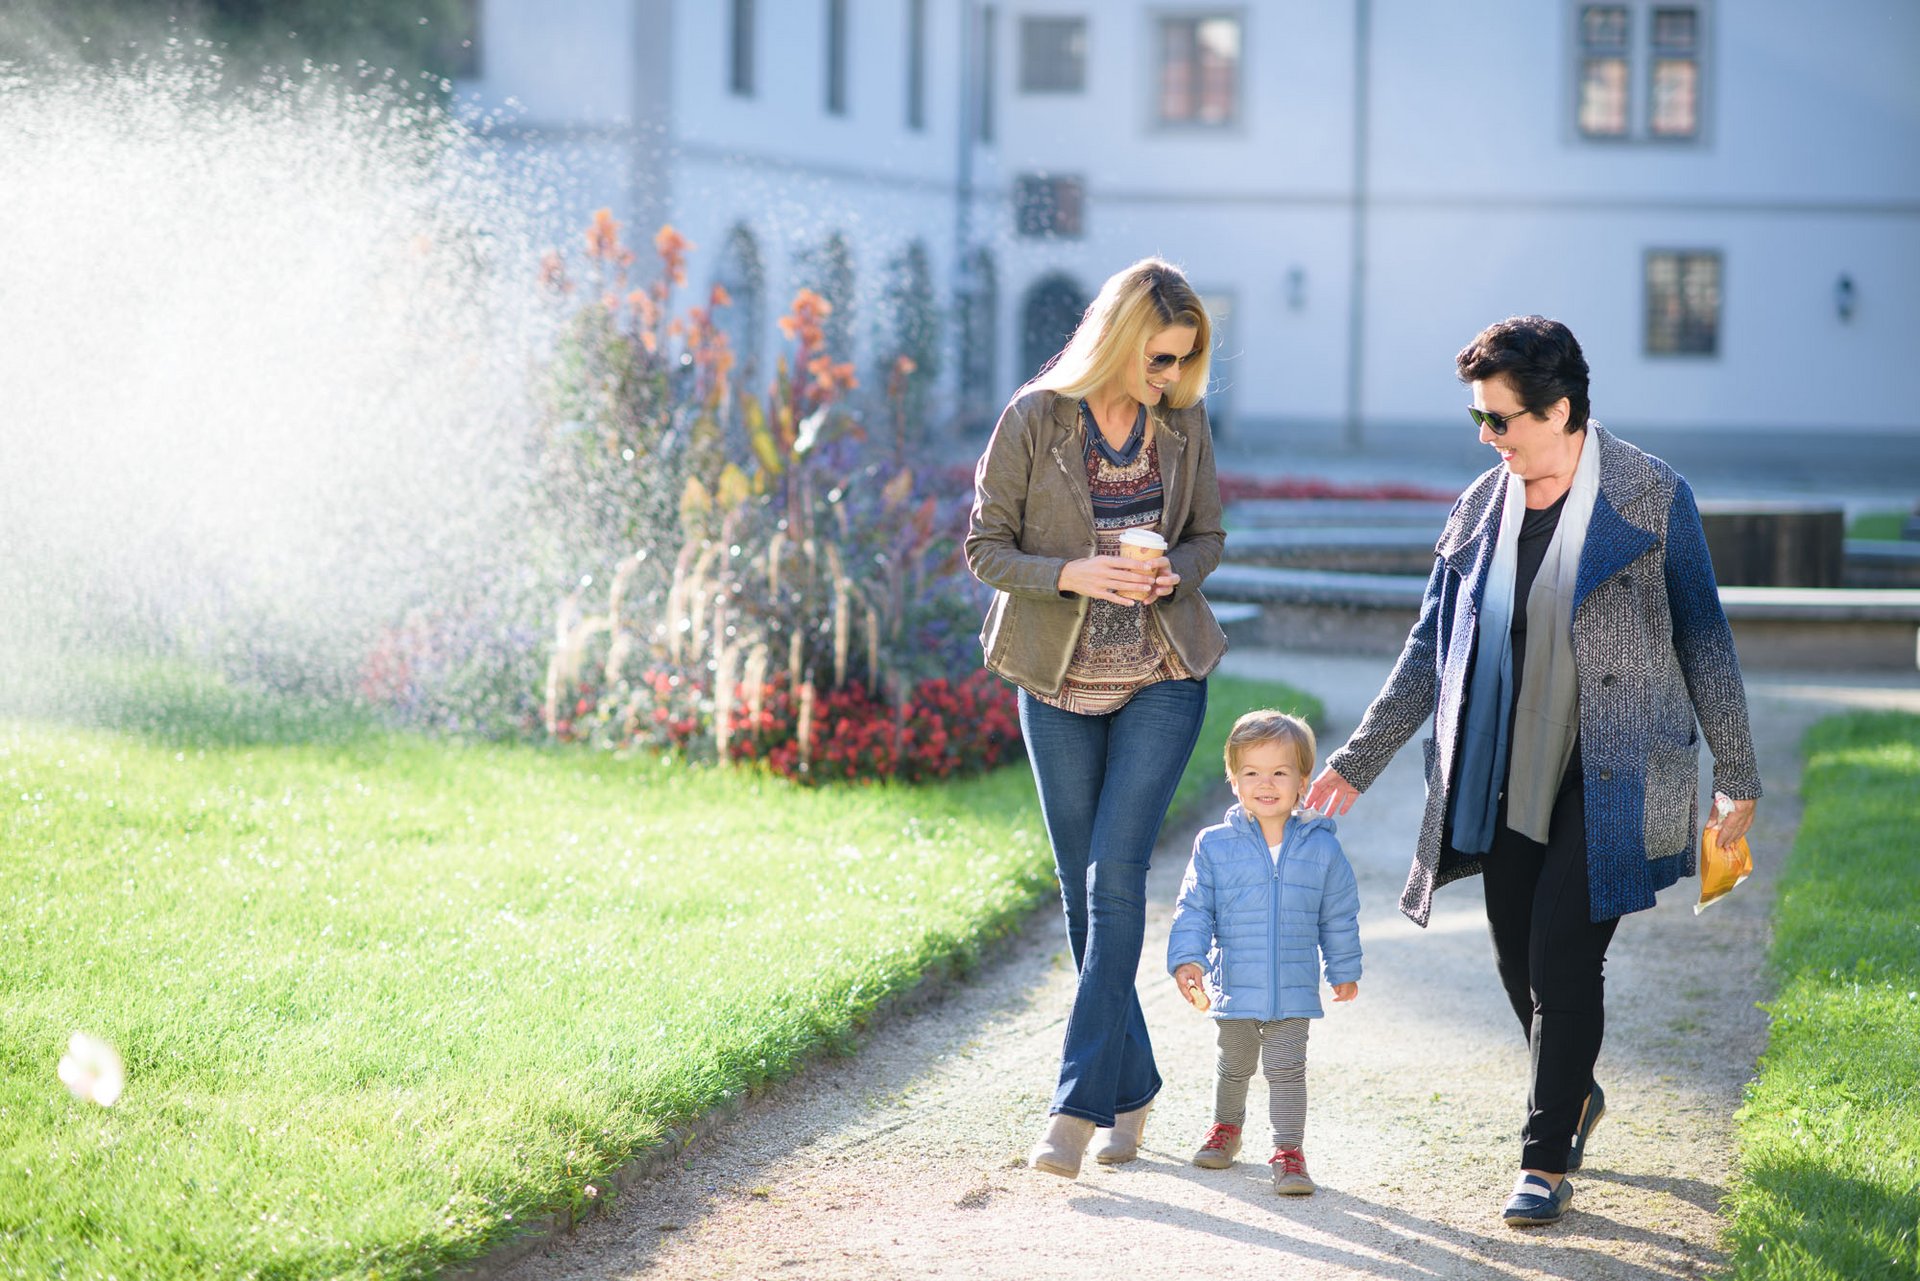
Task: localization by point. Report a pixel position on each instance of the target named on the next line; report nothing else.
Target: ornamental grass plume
(92, 1069)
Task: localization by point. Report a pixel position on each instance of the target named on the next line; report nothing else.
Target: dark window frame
(1050, 206)
(1070, 26)
(836, 95)
(740, 49)
(917, 64)
(1686, 341)
(1652, 73)
(988, 74)
(1161, 20)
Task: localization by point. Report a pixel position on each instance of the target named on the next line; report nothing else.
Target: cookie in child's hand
(1197, 996)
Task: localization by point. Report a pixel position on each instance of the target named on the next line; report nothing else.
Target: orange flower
(650, 341)
(903, 365)
(829, 376)
(553, 272)
(603, 237)
(721, 298)
(643, 307)
(672, 248)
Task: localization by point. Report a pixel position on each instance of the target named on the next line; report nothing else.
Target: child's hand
(1345, 991)
(1190, 979)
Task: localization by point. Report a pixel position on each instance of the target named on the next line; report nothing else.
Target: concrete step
(1774, 628)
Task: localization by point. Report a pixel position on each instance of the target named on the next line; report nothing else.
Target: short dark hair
(1540, 357)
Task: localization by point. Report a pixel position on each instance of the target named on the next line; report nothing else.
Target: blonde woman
(1110, 654)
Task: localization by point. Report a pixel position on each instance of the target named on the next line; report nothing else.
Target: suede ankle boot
(1061, 1147)
(1122, 1143)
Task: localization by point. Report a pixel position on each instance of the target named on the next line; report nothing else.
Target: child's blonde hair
(1270, 726)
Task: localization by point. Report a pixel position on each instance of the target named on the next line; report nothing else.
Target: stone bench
(1775, 544)
(1874, 562)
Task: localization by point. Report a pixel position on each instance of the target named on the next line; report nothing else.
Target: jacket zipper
(1085, 495)
(1273, 928)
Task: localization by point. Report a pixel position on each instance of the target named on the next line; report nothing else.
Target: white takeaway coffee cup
(1141, 544)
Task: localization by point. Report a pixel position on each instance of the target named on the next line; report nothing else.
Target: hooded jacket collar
(1298, 826)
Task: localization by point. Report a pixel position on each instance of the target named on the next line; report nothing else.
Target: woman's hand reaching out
(1331, 794)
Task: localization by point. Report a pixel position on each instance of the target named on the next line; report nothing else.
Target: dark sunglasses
(1160, 362)
(1495, 423)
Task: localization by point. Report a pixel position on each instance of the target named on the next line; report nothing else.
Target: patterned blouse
(1121, 647)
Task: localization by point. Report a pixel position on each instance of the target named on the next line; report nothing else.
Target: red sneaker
(1218, 1149)
(1290, 1173)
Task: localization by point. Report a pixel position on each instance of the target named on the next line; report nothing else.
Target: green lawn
(1830, 1133)
(381, 996)
(1877, 525)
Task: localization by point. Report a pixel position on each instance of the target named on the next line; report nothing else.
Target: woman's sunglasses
(1495, 423)
(1160, 362)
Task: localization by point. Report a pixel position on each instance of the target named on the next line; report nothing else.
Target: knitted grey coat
(1654, 653)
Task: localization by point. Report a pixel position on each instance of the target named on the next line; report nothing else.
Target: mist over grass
(270, 355)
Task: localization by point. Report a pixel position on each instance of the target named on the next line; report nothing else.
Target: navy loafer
(1536, 1204)
(1596, 1108)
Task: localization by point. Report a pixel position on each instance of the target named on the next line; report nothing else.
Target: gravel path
(907, 1160)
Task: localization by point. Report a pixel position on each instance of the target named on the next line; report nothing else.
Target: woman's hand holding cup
(1119, 579)
(1149, 550)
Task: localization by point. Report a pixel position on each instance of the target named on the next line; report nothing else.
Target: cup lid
(1143, 538)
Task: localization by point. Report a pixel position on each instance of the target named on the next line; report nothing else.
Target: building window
(1674, 110)
(1622, 46)
(916, 64)
(979, 341)
(1683, 302)
(740, 51)
(1603, 71)
(836, 57)
(984, 88)
(741, 272)
(1053, 55)
(1199, 70)
(1049, 205)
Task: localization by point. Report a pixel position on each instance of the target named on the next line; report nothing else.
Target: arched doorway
(1052, 308)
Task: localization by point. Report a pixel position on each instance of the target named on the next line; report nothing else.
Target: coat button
(1606, 776)
(1626, 580)
(1607, 679)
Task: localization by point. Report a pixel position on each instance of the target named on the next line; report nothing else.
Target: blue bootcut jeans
(1105, 783)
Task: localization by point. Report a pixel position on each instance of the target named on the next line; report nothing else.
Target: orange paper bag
(1721, 867)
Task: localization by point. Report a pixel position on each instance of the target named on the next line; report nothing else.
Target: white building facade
(1722, 198)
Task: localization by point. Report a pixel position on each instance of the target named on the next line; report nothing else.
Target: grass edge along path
(1829, 1186)
(386, 1002)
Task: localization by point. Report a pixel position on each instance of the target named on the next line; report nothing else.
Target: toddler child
(1268, 894)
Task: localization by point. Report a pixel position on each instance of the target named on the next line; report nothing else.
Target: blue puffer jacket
(1259, 930)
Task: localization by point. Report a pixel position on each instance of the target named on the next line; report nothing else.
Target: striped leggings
(1280, 1049)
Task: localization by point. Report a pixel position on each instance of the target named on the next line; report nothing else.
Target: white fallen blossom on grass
(92, 1070)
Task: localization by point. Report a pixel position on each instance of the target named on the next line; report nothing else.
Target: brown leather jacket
(1032, 513)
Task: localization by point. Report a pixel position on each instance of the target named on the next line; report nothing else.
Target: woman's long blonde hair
(1111, 340)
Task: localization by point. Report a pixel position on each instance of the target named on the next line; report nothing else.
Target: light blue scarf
(1483, 739)
(1547, 717)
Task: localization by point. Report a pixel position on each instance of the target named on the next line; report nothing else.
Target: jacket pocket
(1673, 786)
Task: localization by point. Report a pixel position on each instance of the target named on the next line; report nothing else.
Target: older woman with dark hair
(1106, 446)
(1570, 638)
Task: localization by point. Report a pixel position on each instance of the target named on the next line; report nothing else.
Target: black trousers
(1550, 958)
